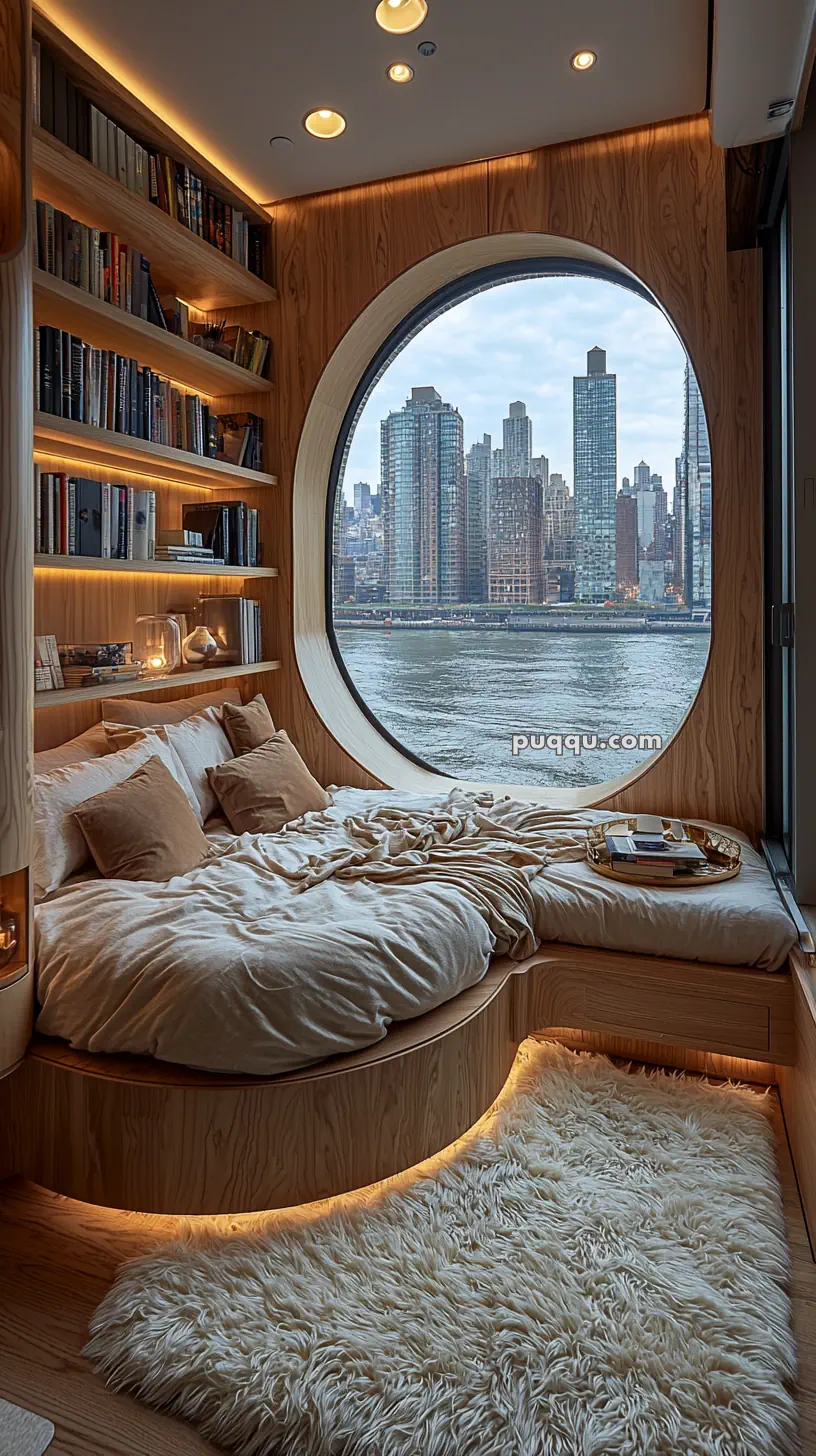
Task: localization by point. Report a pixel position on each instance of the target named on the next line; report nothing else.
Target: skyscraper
(514, 547)
(595, 455)
(540, 466)
(626, 540)
(517, 441)
(697, 472)
(362, 497)
(642, 476)
(478, 465)
(423, 501)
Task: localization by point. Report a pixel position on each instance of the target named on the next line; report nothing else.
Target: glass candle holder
(157, 644)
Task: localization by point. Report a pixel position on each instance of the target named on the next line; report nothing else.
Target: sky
(525, 340)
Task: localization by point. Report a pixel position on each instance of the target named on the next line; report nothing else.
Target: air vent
(778, 109)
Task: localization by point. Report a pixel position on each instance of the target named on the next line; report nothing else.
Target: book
(89, 517)
(631, 848)
(180, 538)
(94, 654)
(47, 653)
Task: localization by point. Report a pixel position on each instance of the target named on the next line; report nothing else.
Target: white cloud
(525, 340)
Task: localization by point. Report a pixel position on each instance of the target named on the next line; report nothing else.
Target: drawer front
(713, 1023)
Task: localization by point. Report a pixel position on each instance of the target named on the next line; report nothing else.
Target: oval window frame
(362, 355)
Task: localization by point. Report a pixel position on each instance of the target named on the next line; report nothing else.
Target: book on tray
(235, 623)
(62, 108)
(78, 517)
(96, 664)
(639, 854)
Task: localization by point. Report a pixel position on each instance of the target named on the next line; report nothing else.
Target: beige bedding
(288, 948)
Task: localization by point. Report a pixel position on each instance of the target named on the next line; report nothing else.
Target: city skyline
(526, 341)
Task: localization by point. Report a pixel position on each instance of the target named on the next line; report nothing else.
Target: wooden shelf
(74, 441)
(164, 568)
(65, 306)
(58, 697)
(181, 262)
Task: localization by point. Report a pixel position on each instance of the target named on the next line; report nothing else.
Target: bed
(269, 957)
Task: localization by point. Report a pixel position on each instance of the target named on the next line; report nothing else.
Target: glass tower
(697, 467)
(423, 501)
(595, 460)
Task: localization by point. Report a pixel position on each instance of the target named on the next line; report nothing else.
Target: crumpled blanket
(487, 850)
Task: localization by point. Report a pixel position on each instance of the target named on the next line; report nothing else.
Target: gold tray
(723, 855)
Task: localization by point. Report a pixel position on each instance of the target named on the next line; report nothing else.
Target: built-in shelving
(181, 262)
(74, 441)
(65, 306)
(58, 697)
(164, 568)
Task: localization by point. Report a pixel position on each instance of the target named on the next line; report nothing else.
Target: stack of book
(246, 347)
(95, 261)
(47, 669)
(99, 387)
(64, 111)
(92, 664)
(187, 547)
(240, 440)
(228, 528)
(235, 623)
(638, 854)
(78, 517)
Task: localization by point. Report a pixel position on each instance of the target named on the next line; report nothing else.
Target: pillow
(199, 742)
(140, 714)
(249, 726)
(92, 743)
(143, 828)
(263, 790)
(59, 848)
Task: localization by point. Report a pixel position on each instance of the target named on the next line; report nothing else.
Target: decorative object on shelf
(92, 664)
(47, 666)
(9, 935)
(199, 646)
(157, 643)
(235, 623)
(667, 867)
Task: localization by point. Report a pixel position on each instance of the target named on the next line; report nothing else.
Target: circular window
(519, 529)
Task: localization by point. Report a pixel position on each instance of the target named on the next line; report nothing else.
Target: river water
(456, 698)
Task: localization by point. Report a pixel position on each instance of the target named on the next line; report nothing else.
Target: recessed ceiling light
(583, 60)
(400, 73)
(400, 16)
(324, 123)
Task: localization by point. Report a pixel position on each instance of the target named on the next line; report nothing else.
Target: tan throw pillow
(265, 789)
(141, 714)
(249, 726)
(59, 848)
(93, 743)
(144, 828)
(199, 743)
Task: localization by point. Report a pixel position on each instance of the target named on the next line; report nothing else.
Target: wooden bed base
(139, 1134)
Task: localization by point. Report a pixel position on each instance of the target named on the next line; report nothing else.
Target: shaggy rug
(600, 1267)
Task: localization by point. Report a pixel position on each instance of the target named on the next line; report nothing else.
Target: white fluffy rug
(602, 1269)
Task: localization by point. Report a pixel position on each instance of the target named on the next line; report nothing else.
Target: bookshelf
(71, 440)
(85, 599)
(58, 697)
(42, 561)
(180, 261)
(106, 327)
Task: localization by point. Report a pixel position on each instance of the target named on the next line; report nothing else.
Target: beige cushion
(248, 726)
(263, 790)
(143, 828)
(93, 743)
(199, 742)
(141, 714)
(59, 847)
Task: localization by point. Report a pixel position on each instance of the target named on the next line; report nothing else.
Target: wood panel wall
(654, 199)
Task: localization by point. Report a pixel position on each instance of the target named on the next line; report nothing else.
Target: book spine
(106, 522)
(72, 525)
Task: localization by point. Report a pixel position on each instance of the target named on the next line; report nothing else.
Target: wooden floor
(57, 1258)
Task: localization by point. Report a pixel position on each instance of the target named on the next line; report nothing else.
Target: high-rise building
(514, 546)
(362, 498)
(540, 466)
(652, 581)
(645, 503)
(517, 441)
(626, 541)
(478, 469)
(423, 501)
(595, 452)
(642, 476)
(697, 478)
